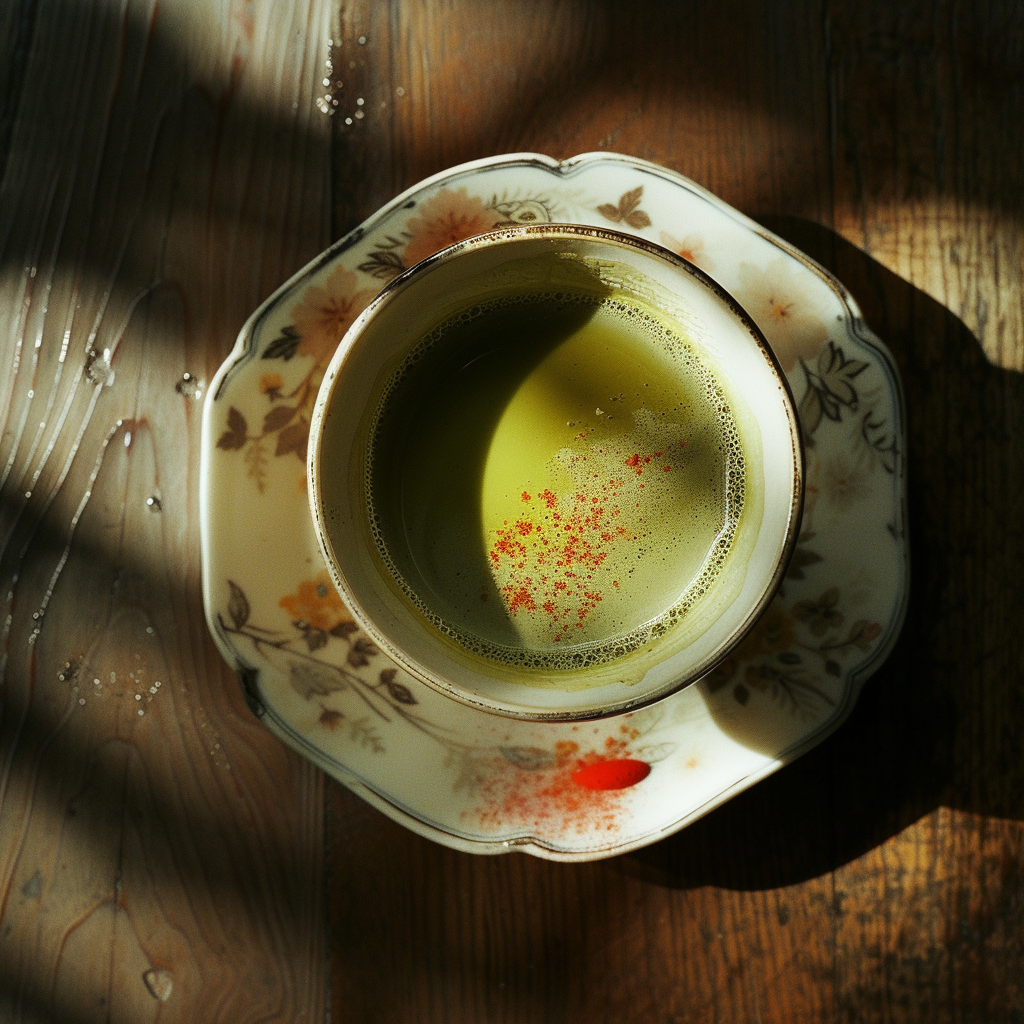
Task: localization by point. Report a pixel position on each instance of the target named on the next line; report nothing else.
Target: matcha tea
(554, 479)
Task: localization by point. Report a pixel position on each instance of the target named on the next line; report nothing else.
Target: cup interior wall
(376, 345)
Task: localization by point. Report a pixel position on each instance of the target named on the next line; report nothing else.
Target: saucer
(565, 791)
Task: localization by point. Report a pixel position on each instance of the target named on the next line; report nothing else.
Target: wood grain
(164, 168)
(160, 856)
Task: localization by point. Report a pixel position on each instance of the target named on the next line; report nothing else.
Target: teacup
(555, 472)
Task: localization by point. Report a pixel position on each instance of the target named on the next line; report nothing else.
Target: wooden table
(164, 167)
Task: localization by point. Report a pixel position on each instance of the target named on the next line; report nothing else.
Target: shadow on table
(942, 722)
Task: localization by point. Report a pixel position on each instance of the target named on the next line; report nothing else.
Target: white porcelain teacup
(555, 472)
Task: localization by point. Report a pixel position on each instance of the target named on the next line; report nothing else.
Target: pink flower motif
(446, 218)
(791, 317)
(690, 248)
(846, 481)
(325, 312)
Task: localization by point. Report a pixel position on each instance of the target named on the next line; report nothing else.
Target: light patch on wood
(159, 982)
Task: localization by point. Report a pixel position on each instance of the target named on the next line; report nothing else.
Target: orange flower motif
(690, 248)
(271, 384)
(317, 604)
(791, 318)
(326, 311)
(444, 219)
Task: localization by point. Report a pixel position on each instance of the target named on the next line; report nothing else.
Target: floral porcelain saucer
(486, 784)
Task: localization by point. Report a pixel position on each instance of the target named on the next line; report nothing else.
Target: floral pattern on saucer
(567, 791)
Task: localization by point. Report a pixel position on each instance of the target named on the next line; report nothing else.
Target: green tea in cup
(553, 477)
(538, 472)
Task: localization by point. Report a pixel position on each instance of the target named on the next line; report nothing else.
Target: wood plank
(160, 853)
(928, 179)
(678, 85)
(928, 164)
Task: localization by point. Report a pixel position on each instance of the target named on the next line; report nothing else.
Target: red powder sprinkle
(618, 774)
(647, 459)
(570, 544)
(665, 469)
(506, 546)
(566, 795)
(682, 444)
(521, 598)
(658, 455)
